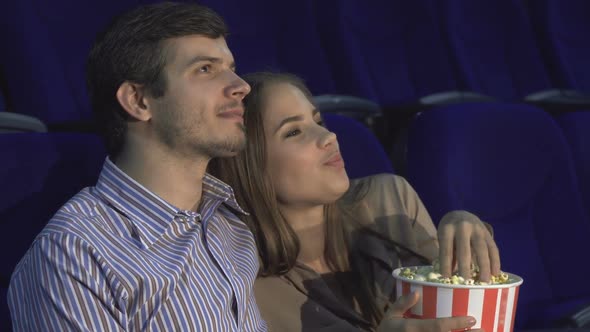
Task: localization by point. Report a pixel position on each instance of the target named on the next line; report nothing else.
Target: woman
(328, 245)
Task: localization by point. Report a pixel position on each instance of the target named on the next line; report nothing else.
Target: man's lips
(233, 113)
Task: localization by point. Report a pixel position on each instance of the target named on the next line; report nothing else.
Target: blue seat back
(270, 35)
(493, 47)
(2, 102)
(253, 41)
(44, 67)
(510, 165)
(38, 174)
(576, 128)
(389, 51)
(562, 29)
(362, 153)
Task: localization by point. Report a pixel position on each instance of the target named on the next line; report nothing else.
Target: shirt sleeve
(414, 207)
(398, 212)
(60, 286)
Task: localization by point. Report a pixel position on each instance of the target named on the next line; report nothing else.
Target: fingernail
(471, 321)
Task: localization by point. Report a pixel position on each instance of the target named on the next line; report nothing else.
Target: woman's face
(303, 158)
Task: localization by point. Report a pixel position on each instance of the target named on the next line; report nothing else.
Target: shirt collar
(214, 188)
(149, 213)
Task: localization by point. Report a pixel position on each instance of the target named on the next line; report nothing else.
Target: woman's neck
(310, 226)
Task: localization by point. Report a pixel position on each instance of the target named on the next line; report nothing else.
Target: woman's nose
(328, 139)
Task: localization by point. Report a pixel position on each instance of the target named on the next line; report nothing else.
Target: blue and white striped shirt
(116, 257)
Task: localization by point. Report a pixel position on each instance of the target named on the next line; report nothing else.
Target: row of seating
(511, 165)
(390, 51)
(2, 102)
(41, 171)
(400, 51)
(521, 170)
(38, 174)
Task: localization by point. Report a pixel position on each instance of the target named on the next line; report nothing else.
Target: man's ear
(132, 98)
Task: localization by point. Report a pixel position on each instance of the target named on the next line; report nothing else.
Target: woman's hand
(394, 319)
(464, 239)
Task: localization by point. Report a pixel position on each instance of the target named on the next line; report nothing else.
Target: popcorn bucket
(493, 306)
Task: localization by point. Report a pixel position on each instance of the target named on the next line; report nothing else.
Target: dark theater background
(483, 105)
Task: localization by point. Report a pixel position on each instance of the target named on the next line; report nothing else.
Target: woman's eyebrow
(286, 120)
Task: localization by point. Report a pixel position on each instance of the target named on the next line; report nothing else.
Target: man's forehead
(182, 49)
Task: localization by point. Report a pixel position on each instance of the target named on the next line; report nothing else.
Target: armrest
(582, 317)
(560, 100)
(454, 97)
(15, 122)
(355, 107)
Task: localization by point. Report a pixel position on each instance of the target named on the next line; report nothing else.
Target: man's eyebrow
(202, 58)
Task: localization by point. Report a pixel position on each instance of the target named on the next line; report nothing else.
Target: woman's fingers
(446, 239)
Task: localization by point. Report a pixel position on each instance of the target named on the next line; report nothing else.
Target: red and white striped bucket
(493, 306)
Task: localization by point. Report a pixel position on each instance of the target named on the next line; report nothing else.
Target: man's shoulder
(79, 220)
(68, 222)
(80, 215)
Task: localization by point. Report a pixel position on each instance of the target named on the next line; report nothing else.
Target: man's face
(201, 112)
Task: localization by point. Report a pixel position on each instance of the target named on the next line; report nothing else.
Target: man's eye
(321, 123)
(205, 69)
(293, 132)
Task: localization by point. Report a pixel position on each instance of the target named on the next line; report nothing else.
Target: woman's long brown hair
(246, 173)
(278, 245)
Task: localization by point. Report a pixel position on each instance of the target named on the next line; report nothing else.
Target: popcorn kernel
(429, 273)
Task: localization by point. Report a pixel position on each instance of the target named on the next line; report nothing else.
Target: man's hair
(132, 48)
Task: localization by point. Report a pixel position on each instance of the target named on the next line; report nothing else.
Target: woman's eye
(293, 132)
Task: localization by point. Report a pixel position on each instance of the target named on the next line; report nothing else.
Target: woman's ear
(132, 98)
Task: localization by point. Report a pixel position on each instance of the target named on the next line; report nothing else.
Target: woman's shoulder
(393, 208)
(377, 178)
(386, 195)
(381, 186)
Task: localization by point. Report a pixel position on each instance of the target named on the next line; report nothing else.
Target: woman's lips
(335, 161)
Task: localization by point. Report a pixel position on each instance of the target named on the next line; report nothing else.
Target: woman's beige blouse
(302, 300)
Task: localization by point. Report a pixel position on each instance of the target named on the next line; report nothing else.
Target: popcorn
(503, 277)
(444, 297)
(431, 274)
(419, 277)
(457, 280)
(407, 272)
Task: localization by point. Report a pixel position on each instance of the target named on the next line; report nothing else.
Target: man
(155, 245)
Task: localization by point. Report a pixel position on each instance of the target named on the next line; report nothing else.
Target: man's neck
(310, 226)
(175, 179)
